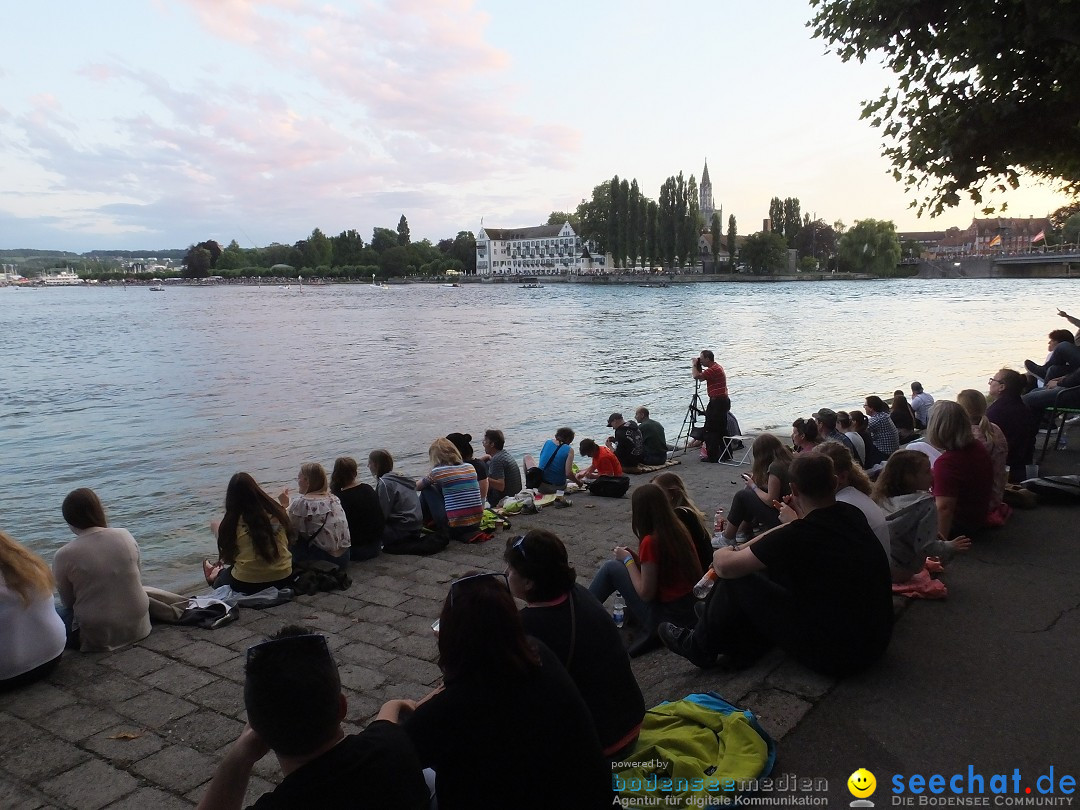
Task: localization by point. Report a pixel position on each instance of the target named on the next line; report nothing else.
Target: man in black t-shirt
(817, 586)
(627, 443)
(293, 698)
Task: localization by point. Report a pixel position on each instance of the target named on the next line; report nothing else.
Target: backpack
(610, 486)
(637, 441)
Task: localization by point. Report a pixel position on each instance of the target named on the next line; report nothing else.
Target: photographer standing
(716, 413)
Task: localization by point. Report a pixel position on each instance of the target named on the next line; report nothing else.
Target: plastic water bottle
(718, 524)
(618, 609)
(705, 584)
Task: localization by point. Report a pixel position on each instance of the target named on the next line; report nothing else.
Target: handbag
(534, 476)
(303, 539)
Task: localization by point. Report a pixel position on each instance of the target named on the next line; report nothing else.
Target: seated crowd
(805, 562)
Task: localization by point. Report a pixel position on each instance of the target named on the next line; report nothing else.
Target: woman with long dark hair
(508, 728)
(688, 514)
(766, 483)
(362, 510)
(252, 540)
(657, 580)
(577, 628)
(98, 579)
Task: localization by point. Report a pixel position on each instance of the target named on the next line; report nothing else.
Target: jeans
(716, 413)
(612, 577)
(304, 553)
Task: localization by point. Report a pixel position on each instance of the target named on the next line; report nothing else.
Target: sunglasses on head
(457, 584)
(312, 642)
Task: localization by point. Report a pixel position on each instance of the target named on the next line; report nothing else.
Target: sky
(139, 124)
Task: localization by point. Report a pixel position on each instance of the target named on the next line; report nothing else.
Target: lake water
(155, 399)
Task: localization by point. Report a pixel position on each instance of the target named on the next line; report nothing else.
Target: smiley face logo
(862, 783)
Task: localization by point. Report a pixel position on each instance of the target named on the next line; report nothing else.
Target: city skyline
(157, 125)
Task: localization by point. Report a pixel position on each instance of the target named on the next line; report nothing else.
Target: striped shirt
(461, 493)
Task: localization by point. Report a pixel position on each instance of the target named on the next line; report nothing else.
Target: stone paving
(145, 726)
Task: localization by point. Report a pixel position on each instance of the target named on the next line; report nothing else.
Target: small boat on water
(157, 288)
(377, 286)
(533, 286)
(455, 284)
(659, 284)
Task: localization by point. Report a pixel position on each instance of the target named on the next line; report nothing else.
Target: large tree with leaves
(764, 252)
(776, 215)
(792, 220)
(716, 230)
(403, 231)
(984, 91)
(870, 246)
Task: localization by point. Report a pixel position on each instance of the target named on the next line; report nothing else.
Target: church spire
(705, 172)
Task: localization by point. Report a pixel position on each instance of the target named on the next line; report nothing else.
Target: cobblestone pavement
(145, 726)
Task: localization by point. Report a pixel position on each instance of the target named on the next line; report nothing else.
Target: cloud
(351, 111)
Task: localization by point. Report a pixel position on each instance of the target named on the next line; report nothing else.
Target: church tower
(707, 205)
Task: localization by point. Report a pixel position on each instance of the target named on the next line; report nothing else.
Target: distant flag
(995, 242)
(1039, 237)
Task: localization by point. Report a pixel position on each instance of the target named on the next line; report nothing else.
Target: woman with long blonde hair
(993, 439)
(32, 634)
(963, 473)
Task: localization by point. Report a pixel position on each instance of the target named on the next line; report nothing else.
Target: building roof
(1016, 226)
(705, 173)
(535, 232)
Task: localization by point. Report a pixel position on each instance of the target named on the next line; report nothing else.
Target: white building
(544, 250)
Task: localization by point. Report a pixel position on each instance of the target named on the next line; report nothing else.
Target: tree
(732, 236)
(197, 265)
(776, 215)
(347, 248)
(983, 91)
(394, 261)
(792, 220)
(318, 252)
(764, 252)
(403, 231)
(464, 250)
(382, 239)
(1070, 231)
(715, 231)
(562, 217)
(870, 246)
(1063, 214)
(634, 225)
(196, 262)
(816, 239)
(233, 257)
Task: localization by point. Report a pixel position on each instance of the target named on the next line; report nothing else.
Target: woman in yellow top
(252, 540)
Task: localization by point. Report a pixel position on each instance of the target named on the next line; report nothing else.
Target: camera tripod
(689, 425)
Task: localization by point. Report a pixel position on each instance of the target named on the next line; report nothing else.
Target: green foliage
(200, 259)
(776, 215)
(382, 239)
(1070, 231)
(764, 252)
(983, 91)
(562, 217)
(394, 262)
(1063, 214)
(816, 239)
(715, 231)
(347, 248)
(732, 242)
(403, 231)
(808, 264)
(870, 246)
(792, 220)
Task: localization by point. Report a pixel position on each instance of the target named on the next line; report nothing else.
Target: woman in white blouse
(97, 576)
(32, 634)
(317, 518)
